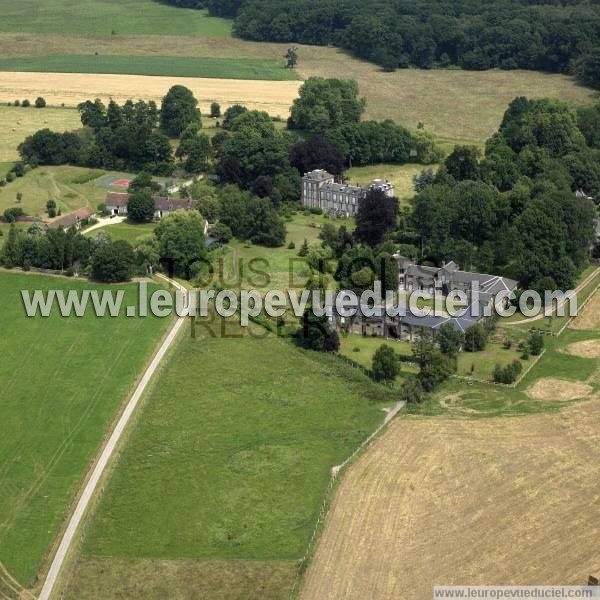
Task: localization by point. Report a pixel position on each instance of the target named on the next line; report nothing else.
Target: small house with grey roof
(116, 204)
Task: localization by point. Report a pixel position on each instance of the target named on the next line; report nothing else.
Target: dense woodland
(547, 35)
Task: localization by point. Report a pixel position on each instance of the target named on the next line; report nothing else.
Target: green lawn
(278, 263)
(361, 349)
(480, 365)
(172, 66)
(63, 381)
(70, 187)
(239, 436)
(400, 175)
(103, 17)
(130, 232)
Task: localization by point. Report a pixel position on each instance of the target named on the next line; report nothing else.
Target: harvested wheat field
(590, 317)
(559, 390)
(455, 501)
(585, 349)
(70, 89)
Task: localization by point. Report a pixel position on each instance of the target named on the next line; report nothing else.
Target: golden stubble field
(70, 89)
(451, 501)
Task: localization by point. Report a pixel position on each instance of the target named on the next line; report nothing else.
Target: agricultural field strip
(168, 66)
(107, 452)
(70, 89)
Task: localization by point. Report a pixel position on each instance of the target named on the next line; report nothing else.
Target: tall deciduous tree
(376, 217)
(385, 366)
(179, 109)
(140, 206)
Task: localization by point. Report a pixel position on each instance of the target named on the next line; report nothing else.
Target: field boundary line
(333, 480)
(105, 456)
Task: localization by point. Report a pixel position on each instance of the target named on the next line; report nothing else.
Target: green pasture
(239, 435)
(70, 187)
(170, 66)
(63, 381)
(130, 232)
(109, 18)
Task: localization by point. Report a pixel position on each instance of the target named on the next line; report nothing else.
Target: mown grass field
(239, 435)
(281, 268)
(16, 123)
(63, 381)
(70, 187)
(174, 66)
(130, 232)
(106, 18)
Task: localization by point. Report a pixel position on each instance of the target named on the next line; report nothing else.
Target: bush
(17, 103)
(315, 333)
(11, 214)
(222, 233)
(215, 110)
(507, 344)
(291, 246)
(412, 391)
(475, 338)
(385, 364)
(10, 177)
(40, 102)
(536, 343)
(315, 210)
(19, 169)
(25, 103)
(509, 373)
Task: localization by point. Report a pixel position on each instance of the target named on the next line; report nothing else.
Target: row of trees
(537, 34)
(177, 245)
(134, 136)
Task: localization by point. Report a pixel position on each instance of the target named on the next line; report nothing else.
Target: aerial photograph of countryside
(299, 299)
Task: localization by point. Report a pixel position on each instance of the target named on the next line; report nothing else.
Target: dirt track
(275, 97)
(441, 501)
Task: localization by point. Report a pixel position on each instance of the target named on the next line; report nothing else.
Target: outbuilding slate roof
(71, 219)
(162, 203)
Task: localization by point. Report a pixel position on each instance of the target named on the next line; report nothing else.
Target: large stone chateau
(319, 190)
